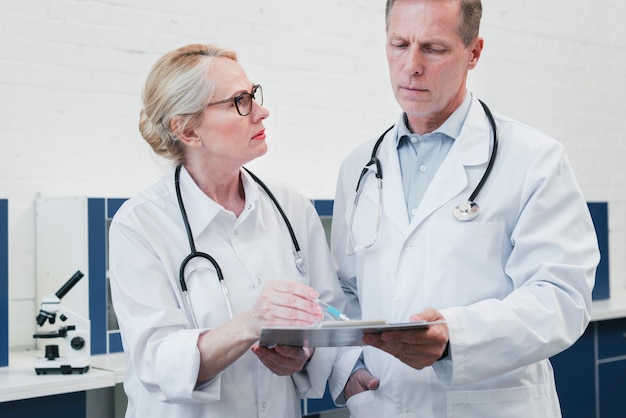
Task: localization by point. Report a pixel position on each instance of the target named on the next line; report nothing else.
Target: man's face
(428, 62)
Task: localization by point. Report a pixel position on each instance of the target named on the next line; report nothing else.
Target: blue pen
(334, 312)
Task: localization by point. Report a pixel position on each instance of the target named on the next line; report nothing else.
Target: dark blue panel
(324, 207)
(112, 206)
(4, 282)
(600, 215)
(115, 342)
(97, 274)
(69, 405)
(574, 372)
(315, 406)
(612, 339)
(612, 389)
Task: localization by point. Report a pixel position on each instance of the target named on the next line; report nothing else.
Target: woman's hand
(283, 360)
(285, 303)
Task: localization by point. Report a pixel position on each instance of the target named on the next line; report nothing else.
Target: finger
(277, 363)
(286, 306)
(295, 288)
(291, 352)
(428, 314)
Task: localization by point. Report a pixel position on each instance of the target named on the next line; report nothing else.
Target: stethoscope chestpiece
(466, 211)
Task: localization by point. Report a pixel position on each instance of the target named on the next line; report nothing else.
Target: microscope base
(60, 366)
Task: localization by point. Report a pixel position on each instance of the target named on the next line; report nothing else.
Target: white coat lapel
(471, 148)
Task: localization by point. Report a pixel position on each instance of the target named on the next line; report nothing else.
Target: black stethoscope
(198, 254)
(464, 211)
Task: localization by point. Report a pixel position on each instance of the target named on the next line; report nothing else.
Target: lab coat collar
(471, 147)
(202, 210)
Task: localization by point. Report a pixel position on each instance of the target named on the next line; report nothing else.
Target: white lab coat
(148, 243)
(514, 284)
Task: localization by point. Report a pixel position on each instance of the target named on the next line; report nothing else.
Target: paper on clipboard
(332, 333)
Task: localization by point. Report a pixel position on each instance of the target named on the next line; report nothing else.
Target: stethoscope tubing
(194, 253)
(463, 212)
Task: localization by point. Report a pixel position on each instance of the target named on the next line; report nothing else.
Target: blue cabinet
(4, 283)
(574, 371)
(611, 358)
(591, 375)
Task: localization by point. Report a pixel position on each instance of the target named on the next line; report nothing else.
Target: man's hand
(417, 348)
(360, 381)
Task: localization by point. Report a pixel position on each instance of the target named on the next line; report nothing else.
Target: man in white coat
(512, 285)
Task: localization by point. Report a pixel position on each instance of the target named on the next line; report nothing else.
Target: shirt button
(259, 281)
(263, 405)
(413, 139)
(408, 247)
(423, 168)
(235, 232)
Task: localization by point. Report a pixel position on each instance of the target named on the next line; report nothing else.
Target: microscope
(74, 329)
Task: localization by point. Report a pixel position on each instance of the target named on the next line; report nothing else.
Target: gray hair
(469, 22)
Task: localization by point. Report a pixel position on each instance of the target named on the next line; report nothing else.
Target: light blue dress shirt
(421, 155)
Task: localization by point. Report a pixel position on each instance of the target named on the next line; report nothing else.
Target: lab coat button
(235, 232)
(259, 281)
(263, 405)
(423, 168)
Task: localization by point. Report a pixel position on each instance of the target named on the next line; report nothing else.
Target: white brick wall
(71, 73)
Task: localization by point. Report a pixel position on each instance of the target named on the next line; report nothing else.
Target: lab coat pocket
(528, 401)
(473, 251)
(362, 405)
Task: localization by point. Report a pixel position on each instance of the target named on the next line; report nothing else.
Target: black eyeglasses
(243, 101)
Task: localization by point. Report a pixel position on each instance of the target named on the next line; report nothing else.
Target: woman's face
(225, 139)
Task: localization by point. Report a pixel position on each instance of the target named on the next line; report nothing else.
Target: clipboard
(333, 333)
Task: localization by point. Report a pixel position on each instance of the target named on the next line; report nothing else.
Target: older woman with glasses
(204, 258)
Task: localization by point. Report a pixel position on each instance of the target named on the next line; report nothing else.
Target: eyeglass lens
(244, 100)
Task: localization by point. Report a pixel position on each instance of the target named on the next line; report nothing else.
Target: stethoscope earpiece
(466, 211)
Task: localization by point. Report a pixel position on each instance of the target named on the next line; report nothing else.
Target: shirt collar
(451, 127)
(202, 210)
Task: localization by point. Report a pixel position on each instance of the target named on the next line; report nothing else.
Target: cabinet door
(613, 389)
(612, 368)
(574, 371)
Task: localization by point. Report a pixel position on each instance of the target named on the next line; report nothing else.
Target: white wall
(71, 73)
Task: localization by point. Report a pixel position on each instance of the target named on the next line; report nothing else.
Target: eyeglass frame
(235, 99)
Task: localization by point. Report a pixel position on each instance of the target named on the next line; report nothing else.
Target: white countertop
(612, 308)
(115, 362)
(19, 380)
